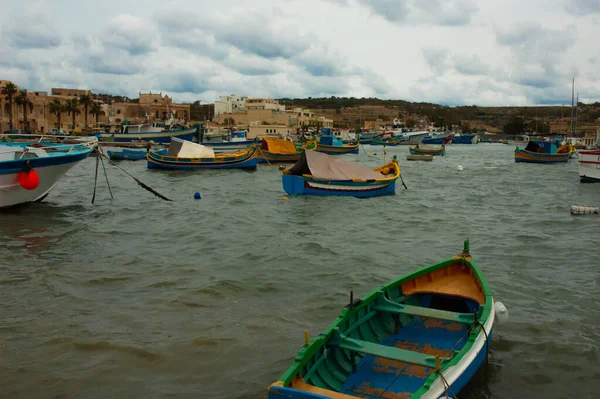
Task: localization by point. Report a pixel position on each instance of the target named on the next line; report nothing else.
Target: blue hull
(298, 185)
(439, 141)
(156, 137)
(129, 155)
(17, 165)
(466, 139)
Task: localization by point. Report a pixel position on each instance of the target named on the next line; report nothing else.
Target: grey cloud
(131, 34)
(31, 35)
(437, 59)
(582, 7)
(392, 10)
(437, 12)
(469, 65)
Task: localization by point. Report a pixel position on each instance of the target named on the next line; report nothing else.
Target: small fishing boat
(157, 137)
(419, 158)
(322, 174)
(421, 149)
(438, 138)
(333, 145)
(423, 335)
(28, 171)
(387, 142)
(236, 141)
(278, 150)
(465, 139)
(589, 166)
(187, 155)
(544, 152)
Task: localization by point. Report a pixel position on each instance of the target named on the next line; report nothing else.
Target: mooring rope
(144, 186)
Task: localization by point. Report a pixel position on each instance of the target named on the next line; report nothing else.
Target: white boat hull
(589, 166)
(11, 192)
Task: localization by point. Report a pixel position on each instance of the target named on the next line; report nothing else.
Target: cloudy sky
(485, 52)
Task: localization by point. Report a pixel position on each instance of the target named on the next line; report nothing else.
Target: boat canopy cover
(278, 146)
(541, 147)
(186, 149)
(328, 167)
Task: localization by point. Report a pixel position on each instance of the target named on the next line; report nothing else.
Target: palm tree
(57, 109)
(9, 90)
(24, 102)
(72, 106)
(96, 109)
(86, 101)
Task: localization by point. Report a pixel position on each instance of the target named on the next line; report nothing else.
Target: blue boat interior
(51, 149)
(376, 377)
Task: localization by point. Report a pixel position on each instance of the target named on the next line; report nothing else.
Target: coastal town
(63, 110)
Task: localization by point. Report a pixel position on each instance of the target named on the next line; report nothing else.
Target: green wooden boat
(423, 335)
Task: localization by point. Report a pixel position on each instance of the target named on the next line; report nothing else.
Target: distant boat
(28, 171)
(422, 335)
(157, 137)
(465, 139)
(184, 154)
(428, 150)
(236, 141)
(333, 145)
(438, 138)
(325, 175)
(544, 152)
(278, 150)
(589, 166)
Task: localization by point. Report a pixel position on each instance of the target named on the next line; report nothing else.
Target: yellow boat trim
(456, 279)
(359, 180)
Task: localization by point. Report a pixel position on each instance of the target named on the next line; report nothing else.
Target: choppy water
(137, 297)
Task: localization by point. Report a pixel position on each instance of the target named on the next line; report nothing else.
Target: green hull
(407, 338)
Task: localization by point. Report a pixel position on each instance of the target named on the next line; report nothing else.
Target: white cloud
(453, 51)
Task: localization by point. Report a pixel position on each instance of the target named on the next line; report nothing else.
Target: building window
(118, 111)
(155, 100)
(156, 114)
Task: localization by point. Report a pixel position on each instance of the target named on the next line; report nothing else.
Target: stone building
(148, 107)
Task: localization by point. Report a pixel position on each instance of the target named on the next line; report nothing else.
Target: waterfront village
(63, 110)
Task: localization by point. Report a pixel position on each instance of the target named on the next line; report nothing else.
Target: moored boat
(465, 139)
(236, 141)
(544, 152)
(28, 171)
(419, 158)
(322, 174)
(333, 145)
(423, 335)
(428, 150)
(187, 155)
(157, 137)
(278, 150)
(391, 142)
(438, 138)
(589, 166)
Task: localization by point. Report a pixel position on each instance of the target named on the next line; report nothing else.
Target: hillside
(351, 112)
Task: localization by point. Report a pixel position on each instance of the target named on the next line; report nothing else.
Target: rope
(95, 179)
(106, 176)
(144, 186)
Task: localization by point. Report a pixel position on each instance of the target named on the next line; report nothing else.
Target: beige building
(149, 106)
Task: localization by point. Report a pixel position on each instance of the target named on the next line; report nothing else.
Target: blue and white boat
(465, 139)
(438, 138)
(28, 171)
(131, 135)
(126, 154)
(237, 141)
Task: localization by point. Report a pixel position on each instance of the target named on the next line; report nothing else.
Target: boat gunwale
(312, 348)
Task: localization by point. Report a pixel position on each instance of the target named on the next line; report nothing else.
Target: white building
(233, 103)
(230, 104)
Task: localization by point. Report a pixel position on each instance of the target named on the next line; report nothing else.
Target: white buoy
(583, 210)
(459, 168)
(501, 312)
